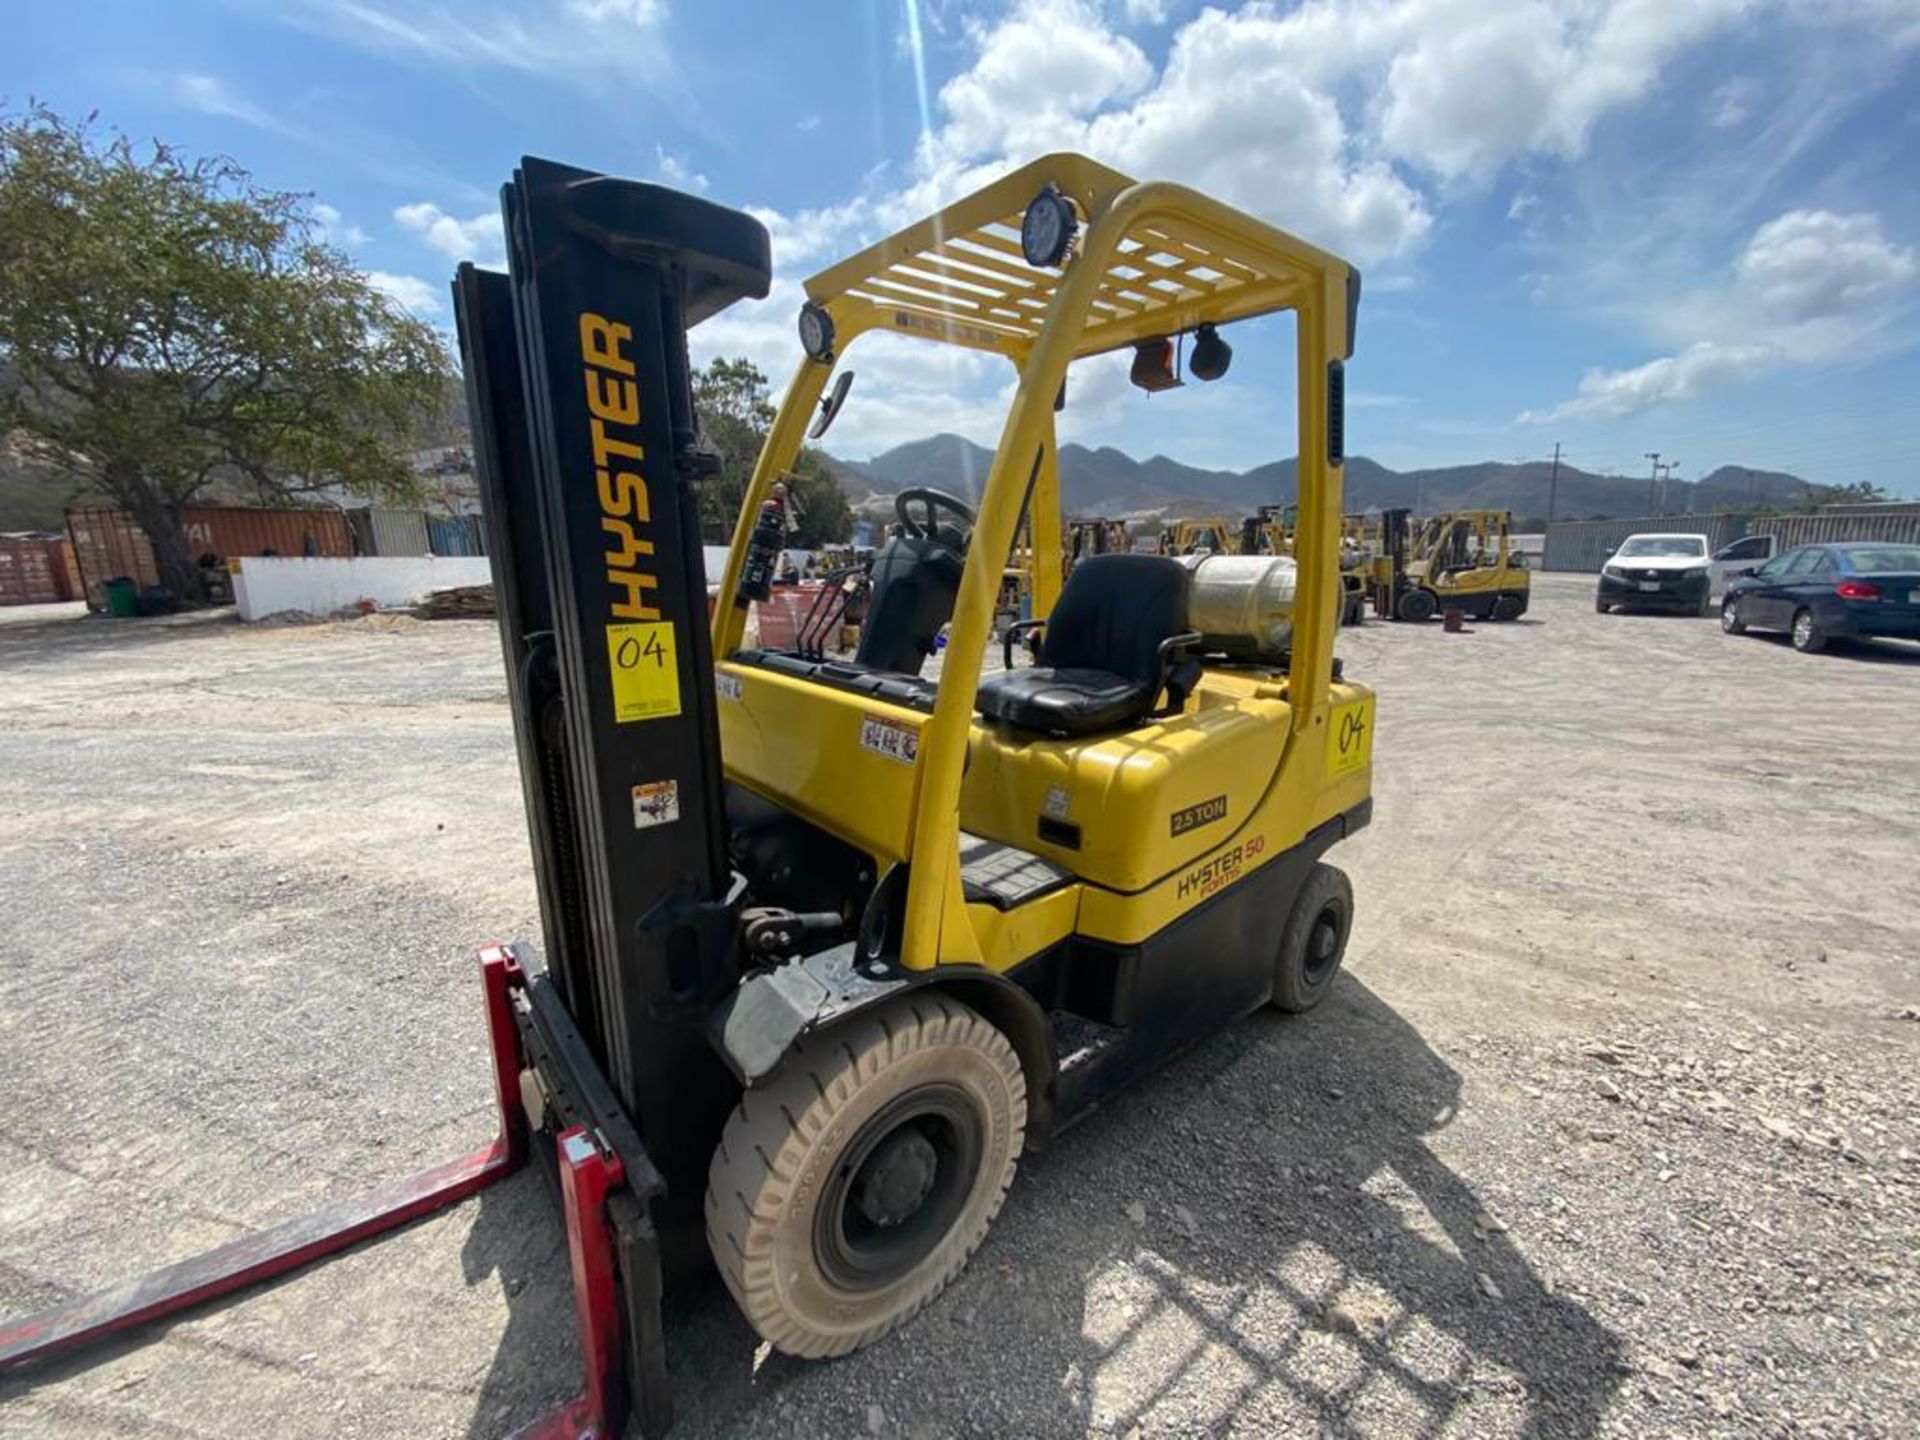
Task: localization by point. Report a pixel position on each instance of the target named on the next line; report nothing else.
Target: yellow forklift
(1094, 536)
(1457, 560)
(829, 944)
(1199, 535)
(1270, 530)
(1092, 846)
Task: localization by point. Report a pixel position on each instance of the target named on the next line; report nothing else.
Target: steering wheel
(931, 502)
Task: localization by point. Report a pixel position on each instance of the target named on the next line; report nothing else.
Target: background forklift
(829, 944)
(1200, 535)
(1271, 530)
(1457, 560)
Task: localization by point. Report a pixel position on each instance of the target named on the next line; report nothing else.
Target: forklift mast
(590, 461)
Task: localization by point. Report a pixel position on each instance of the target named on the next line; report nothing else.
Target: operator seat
(1104, 650)
(916, 579)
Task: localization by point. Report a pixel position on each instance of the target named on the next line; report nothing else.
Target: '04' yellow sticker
(646, 681)
(1350, 737)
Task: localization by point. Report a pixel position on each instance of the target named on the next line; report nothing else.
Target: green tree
(736, 413)
(164, 321)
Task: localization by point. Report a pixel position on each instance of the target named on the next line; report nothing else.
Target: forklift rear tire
(1418, 605)
(1509, 607)
(1315, 940)
(850, 1189)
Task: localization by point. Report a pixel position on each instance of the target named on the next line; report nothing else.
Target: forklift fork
(614, 1252)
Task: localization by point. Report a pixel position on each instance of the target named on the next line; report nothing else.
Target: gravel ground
(1608, 1130)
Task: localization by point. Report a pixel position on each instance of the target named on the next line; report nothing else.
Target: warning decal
(1350, 737)
(890, 738)
(656, 804)
(646, 681)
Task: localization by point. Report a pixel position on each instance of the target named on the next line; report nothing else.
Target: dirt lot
(1609, 1129)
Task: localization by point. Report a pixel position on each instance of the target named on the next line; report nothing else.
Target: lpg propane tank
(1242, 604)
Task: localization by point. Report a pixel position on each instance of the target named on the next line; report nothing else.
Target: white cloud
(676, 172)
(585, 40)
(1731, 102)
(1470, 86)
(1616, 394)
(1814, 265)
(409, 291)
(640, 13)
(211, 95)
(480, 238)
(1235, 113)
(1809, 286)
(1048, 64)
(1146, 12)
(335, 229)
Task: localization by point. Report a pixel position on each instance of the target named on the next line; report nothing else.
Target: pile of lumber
(460, 602)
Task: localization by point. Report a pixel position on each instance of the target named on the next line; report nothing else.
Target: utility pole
(1666, 474)
(1553, 482)
(1653, 477)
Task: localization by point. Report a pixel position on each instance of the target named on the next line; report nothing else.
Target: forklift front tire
(848, 1190)
(1314, 941)
(1418, 606)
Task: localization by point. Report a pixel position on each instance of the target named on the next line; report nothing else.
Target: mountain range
(1110, 482)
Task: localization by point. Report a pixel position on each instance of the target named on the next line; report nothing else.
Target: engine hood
(1659, 562)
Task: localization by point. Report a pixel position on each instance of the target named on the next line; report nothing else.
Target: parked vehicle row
(1660, 572)
(1821, 592)
(1814, 593)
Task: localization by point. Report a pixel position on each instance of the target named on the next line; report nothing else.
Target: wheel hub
(896, 1181)
(902, 1181)
(1323, 942)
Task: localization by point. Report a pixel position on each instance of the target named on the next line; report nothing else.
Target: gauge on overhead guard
(816, 331)
(1048, 228)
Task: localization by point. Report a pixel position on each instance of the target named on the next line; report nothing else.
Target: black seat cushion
(1101, 651)
(1064, 702)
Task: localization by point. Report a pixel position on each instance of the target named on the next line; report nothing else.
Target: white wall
(279, 585)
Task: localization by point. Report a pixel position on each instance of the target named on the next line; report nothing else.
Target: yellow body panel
(1145, 800)
(825, 754)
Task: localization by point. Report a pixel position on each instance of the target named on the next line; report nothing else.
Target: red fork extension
(588, 1173)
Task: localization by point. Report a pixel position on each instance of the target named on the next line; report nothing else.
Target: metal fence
(380, 531)
(1824, 529)
(456, 535)
(1583, 546)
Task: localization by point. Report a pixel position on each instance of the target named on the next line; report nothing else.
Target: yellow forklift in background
(1457, 560)
(1270, 530)
(1199, 535)
(1097, 536)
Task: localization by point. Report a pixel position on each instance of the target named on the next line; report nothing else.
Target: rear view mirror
(830, 407)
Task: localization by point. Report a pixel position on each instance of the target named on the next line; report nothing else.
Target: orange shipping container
(107, 543)
(37, 570)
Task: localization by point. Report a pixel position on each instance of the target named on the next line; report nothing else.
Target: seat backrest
(915, 583)
(1114, 612)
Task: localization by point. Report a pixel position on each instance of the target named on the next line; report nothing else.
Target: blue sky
(1689, 226)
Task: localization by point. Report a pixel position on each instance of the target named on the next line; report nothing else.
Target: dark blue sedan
(1821, 592)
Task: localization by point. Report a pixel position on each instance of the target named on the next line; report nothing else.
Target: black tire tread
(818, 1079)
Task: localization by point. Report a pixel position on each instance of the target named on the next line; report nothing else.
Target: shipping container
(1828, 528)
(380, 531)
(37, 570)
(455, 535)
(1582, 546)
(107, 543)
